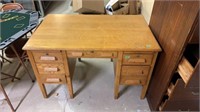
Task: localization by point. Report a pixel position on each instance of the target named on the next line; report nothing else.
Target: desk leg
(43, 89)
(41, 85)
(117, 75)
(70, 88)
(68, 75)
(145, 87)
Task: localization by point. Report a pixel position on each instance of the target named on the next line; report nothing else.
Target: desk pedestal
(131, 68)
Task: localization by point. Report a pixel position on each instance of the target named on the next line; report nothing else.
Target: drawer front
(47, 56)
(134, 74)
(137, 58)
(50, 68)
(95, 54)
(58, 79)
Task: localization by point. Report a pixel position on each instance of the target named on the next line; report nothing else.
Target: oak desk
(126, 39)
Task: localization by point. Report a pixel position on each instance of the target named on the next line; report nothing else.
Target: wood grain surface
(93, 32)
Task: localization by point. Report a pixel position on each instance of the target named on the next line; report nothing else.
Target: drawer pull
(47, 58)
(48, 69)
(195, 93)
(53, 80)
(133, 82)
(77, 53)
(137, 60)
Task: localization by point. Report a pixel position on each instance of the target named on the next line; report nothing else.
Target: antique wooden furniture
(126, 39)
(175, 81)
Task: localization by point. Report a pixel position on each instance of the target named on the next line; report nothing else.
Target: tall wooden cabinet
(175, 80)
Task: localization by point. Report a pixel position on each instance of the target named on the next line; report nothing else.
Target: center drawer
(92, 54)
(50, 68)
(134, 74)
(47, 56)
(137, 58)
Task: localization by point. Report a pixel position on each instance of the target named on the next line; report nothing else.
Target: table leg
(13, 48)
(43, 89)
(70, 88)
(7, 99)
(68, 75)
(117, 75)
(145, 87)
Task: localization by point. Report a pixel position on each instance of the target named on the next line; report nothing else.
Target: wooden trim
(67, 73)
(42, 86)
(144, 89)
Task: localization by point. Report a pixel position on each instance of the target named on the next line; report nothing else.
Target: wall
(147, 6)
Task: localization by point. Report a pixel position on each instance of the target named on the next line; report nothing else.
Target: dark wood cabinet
(175, 25)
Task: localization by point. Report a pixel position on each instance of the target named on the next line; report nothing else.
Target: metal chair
(3, 90)
(10, 6)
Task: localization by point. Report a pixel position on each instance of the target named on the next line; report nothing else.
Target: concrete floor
(93, 84)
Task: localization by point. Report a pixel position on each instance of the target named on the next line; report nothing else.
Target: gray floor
(93, 84)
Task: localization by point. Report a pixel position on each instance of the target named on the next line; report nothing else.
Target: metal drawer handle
(195, 93)
(53, 80)
(77, 53)
(47, 58)
(51, 69)
(137, 60)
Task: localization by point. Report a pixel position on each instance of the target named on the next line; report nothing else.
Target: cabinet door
(181, 98)
(172, 35)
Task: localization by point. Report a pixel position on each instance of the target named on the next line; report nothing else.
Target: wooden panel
(188, 105)
(194, 39)
(47, 56)
(159, 9)
(181, 98)
(50, 68)
(181, 93)
(137, 58)
(178, 21)
(93, 54)
(194, 80)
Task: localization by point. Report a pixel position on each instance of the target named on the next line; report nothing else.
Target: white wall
(147, 6)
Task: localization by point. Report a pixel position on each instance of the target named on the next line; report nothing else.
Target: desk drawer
(58, 79)
(137, 58)
(95, 54)
(134, 74)
(50, 68)
(47, 56)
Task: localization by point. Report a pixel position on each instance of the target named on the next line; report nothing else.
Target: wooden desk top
(93, 32)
